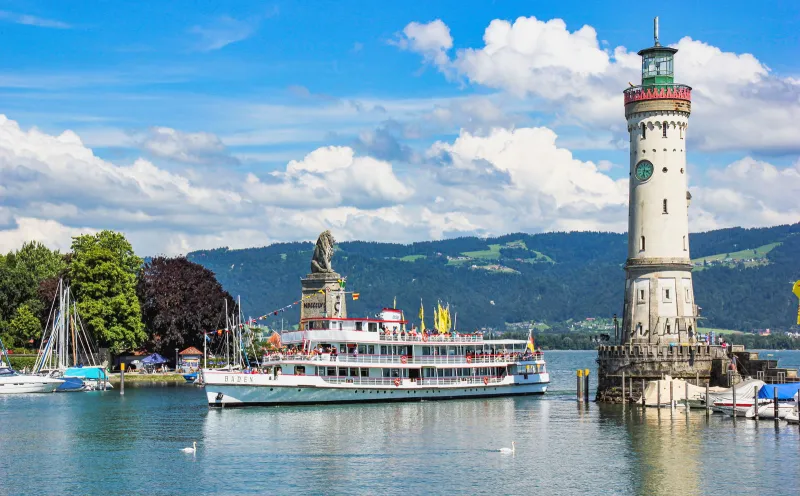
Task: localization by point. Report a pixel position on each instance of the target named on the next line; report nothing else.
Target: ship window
(359, 326)
(383, 350)
(364, 372)
(644, 130)
(664, 129)
(372, 327)
(641, 244)
(665, 206)
(371, 349)
(332, 371)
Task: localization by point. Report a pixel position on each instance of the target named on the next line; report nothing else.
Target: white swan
(192, 449)
(509, 451)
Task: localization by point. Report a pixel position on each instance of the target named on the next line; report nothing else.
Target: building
(659, 298)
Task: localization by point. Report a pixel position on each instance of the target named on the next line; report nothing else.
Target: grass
(493, 253)
(706, 330)
(139, 378)
(759, 253)
(411, 258)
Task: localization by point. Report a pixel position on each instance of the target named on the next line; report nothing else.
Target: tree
(179, 300)
(102, 274)
(24, 327)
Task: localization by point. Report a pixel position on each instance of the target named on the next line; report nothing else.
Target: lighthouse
(659, 305)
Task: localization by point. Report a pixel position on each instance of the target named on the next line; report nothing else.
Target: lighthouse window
(641, 244)
(641, 296)
(664, 127)
(644, 130)
(681, 128)
(684, 243)
(665, 206)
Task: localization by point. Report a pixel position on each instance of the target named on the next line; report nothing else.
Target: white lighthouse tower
(659, 298)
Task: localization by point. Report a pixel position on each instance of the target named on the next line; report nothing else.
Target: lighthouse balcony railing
(658, 92)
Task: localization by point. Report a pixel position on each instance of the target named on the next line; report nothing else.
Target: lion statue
(323, 251)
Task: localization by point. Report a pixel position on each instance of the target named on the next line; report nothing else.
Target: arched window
(644, 130)
(664, 127)
(681, 128)
(665, 206)
(641, 244)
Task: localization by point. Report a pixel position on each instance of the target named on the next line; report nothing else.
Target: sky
(196, 125)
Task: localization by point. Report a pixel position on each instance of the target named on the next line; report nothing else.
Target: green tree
(103, 272)
(24, 327)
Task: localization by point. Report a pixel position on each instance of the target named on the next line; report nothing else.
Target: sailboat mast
(227, 334)
(74, 341)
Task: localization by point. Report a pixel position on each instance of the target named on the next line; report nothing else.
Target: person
(355, 352)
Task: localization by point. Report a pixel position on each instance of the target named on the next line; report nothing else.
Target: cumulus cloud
(738, 103)
(31, 20)
(748, 193)
(190, 148)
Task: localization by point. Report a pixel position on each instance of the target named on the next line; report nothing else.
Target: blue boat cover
(785, 391)
(96, 373)
(70, 384)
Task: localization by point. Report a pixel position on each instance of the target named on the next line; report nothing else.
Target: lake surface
(102, 443)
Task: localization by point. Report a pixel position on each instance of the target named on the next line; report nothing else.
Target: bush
(19, 363)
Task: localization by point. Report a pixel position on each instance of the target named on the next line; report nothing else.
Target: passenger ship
(349, 360)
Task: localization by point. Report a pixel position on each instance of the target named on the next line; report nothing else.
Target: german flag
(355, 296)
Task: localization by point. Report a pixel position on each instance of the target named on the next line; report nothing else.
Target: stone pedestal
(652, 362)
(331, 302)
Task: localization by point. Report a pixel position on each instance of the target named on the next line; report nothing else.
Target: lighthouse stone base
(649, 362)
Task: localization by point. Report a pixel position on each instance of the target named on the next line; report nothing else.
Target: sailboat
(12, 382)
(66, 351)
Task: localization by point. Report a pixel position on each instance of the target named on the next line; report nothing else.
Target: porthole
(270, 389)
(664, 169)
(681, 170)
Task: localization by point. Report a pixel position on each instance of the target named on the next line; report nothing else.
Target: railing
(398, 359)
(447, 381)
(427, 381)
(658, 92)
(365, 381)
(434, 338)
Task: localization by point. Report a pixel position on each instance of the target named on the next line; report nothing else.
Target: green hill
(550, 277)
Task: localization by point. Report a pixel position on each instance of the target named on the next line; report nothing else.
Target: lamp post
(176, 359)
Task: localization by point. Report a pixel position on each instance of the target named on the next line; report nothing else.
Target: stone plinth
(330, 303)
(651, 362)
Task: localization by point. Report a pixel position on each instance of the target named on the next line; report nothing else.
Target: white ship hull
(236, 389)
(23, 384)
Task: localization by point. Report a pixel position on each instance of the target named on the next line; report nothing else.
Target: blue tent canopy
(154, 359)
(785, 391)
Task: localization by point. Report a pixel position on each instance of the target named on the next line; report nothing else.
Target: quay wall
(699, 363)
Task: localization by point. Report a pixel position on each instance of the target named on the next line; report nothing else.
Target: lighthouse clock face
(644, 170)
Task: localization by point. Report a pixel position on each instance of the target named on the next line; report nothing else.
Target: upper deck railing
(658, 92)
(433, 338)
(402, 359)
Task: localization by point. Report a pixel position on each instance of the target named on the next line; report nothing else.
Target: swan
(192, 449)
(509, 451)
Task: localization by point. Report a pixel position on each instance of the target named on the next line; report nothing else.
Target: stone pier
(331, 302)
(650, 362)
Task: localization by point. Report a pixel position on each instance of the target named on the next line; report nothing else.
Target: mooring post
(586, 385)
(643, 399)
(671, 391)
(774, 401)
(733, 390)
(658, 398)
(121, 379)
(686, 394)
(708, 406)
(755, 400)
(623, 387)
(697, 378)
(580, 385)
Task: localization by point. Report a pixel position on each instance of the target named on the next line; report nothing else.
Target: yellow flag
(394, 304)
(531, 345)
(421, 316)
(796, 291)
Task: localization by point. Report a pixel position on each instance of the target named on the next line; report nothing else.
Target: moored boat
(348, 360)
(12, 382)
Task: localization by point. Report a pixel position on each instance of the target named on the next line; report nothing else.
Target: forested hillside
(548, 277)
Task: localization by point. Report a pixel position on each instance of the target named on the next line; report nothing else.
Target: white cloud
(499, 181)
(738, 103)
(190, 148)
(30, 20)
(748, 193)
(223, 31)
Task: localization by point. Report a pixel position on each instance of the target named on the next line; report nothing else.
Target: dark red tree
(179, 300)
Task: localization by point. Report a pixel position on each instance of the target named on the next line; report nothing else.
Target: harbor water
(104, 443)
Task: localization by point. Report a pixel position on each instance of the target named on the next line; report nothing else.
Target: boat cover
(70, 384)
(96, 373)
(744, 392)
(785, 391)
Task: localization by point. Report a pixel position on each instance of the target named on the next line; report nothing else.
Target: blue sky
(216, 98)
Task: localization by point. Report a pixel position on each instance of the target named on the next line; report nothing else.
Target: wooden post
(774, 402)
(755, 400)
(580, 385)
(643, 398)
(686, 394)
(586, 385)
(697, 378)
(708, 404)
(658, 384)
(733, 390)
(630, 387)
(121, 379)
(623, 387)
(671, 391)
